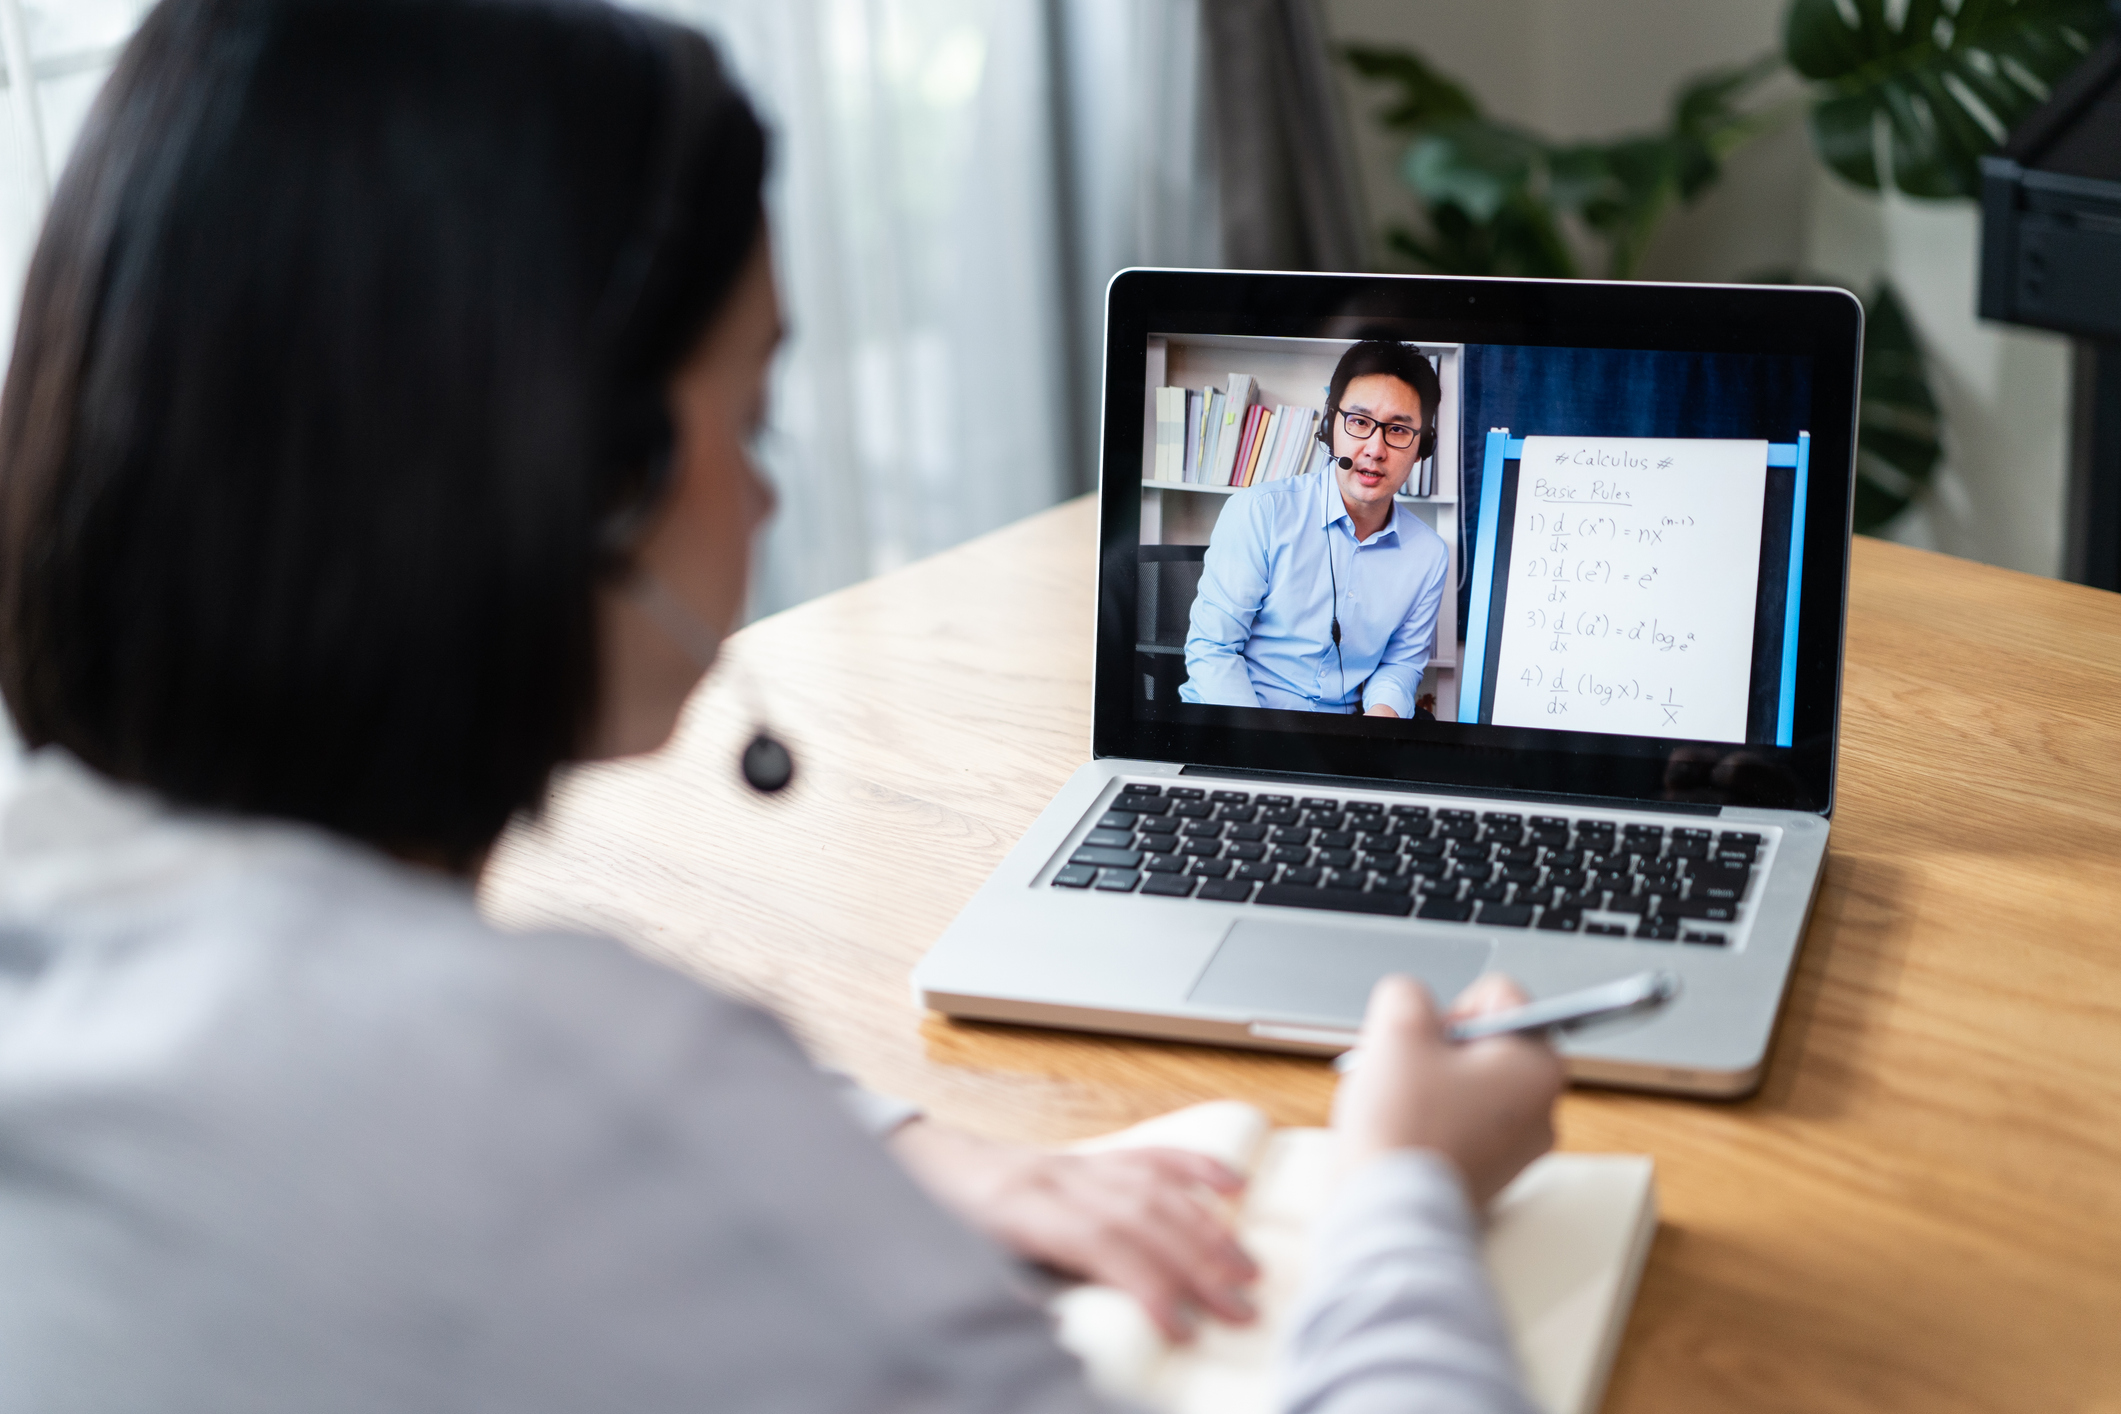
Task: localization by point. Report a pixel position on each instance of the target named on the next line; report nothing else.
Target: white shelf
(1151, 484)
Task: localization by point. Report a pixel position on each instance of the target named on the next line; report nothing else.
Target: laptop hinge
(1530, 797)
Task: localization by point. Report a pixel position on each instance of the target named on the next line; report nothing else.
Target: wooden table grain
(1920, 1210)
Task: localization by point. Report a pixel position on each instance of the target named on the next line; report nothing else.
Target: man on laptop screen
(1319, 593)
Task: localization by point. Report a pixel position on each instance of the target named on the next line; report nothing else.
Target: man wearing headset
(1319, 593)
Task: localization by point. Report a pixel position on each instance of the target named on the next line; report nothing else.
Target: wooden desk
(1921, 1210)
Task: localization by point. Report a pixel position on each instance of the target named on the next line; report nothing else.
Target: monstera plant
(1911, 94)
(1935, 88)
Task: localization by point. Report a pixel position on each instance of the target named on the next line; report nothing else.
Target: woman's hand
(1147, 1221)
(1487, 1106)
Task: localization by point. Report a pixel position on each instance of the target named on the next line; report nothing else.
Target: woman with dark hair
(374, 444)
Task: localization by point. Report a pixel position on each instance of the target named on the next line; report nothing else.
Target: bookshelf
(1294, 372)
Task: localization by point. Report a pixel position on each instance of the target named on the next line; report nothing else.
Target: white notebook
(1565, 1246)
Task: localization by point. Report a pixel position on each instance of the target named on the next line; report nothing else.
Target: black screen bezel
(1823, 324)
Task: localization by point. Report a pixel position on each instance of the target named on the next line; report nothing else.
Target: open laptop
(1563, 705)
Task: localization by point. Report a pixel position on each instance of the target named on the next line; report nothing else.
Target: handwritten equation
(1631, 587)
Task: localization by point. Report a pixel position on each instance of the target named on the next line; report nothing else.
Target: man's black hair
(1401, 361)
(344, 346)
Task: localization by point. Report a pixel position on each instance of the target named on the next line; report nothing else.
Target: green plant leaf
(1473, 164)
(1426, 97)
(1946, 81)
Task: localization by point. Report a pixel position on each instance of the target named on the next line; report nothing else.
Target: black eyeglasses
(1397, 434)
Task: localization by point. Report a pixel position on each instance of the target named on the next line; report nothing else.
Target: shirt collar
(1332, 508)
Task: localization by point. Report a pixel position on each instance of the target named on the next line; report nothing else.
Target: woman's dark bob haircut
(342, 364)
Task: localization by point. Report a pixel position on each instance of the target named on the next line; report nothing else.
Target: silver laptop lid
(1565, 538)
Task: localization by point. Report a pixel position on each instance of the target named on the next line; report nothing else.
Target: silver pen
(1608, 1001)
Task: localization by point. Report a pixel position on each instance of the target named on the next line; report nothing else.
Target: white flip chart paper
(1633, 577)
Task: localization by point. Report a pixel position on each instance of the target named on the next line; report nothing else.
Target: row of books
(1227, 437)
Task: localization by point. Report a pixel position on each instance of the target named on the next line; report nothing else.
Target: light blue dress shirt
(1261, 629)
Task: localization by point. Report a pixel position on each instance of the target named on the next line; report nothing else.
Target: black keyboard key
(1608, 930)
(1226, 890)
(1336, 858)
(1445, 909)
(1158, 825)
(1704, 909)
(1244, 850)
(1165, 863)
(1478, 870)
(1688, 849)
(1117, 820)
(1393, 884)
(1075, 876)
(1289, 834)
(1410, 812)
(1340, 900)
(1570, 879)
(1428, 868)
(1377, 842)
(1245, 832)
(1318, 803)
(1581, 898)
(1455, 816)
(1168, 885)
(1456, 829)
(1275, 801)
(1560, 920)
(1501, 817)
(1427, 849)
(1260, 869)
(1725, 884)
(1107, 858)
(1140, 788)
(1489, 893)
(1209, 868)
(1520, 873)
(1186, 793)
(1324, 819)
(1201, 848)
(1637, 904)
(1193, 809)
(1291, 854)
(1711, 940)
(1306, 875)
(1550, 823)
(1382, 863)
(1230, 797)
(1118, 881)
(1143, 804)
(1335, 839)
(1658, 930)
(1506, 915)
(1236, 814)
(1202, 830)
(1344, 879)
(1517, 853)
(1110, 839)
(1730, 839)
(1281, 815)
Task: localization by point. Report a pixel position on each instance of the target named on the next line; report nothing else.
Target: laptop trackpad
(1271, 970)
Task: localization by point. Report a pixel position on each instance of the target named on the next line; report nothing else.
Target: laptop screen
(1583, 539)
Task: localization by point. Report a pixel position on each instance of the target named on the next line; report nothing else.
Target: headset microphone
(1344, 462)
(767, 765)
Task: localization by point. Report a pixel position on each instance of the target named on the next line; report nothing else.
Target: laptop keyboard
(1499, 869)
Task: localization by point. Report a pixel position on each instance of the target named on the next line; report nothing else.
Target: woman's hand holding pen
(1487, 1106)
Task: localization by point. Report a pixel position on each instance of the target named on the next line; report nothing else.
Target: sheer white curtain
(954, 182)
